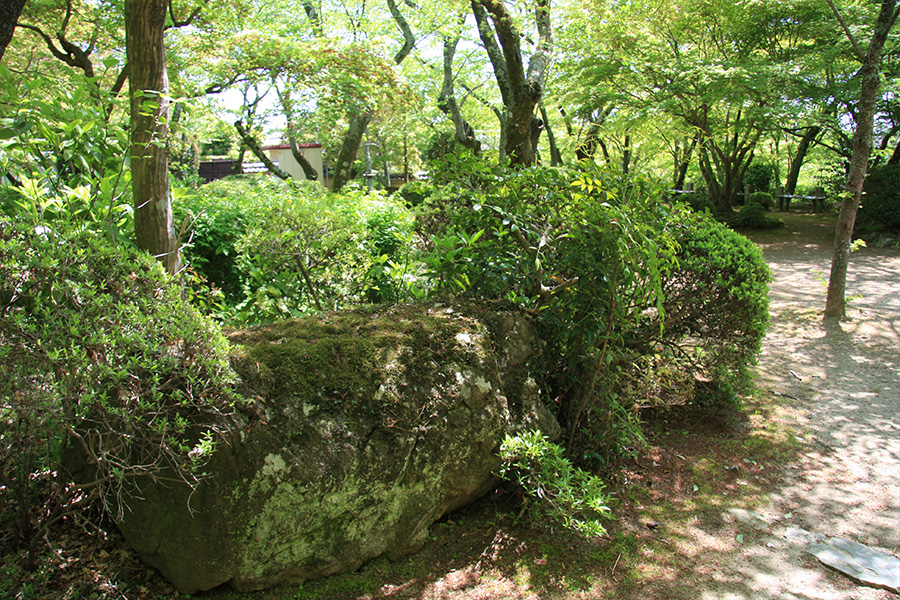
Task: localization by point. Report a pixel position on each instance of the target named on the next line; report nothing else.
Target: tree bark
(555, 156)
(253, 146)
(308, 170)
(409, 40)
(835, 302)
(9, 16)
(525, 88)
(790, 184)
(145, 23)
(683, 162)
(343, 171)
(463, 133)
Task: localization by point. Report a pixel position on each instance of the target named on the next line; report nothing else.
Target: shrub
(62, 156)
(286, 249)
(716, 298)
(698, 202)
(439, 145)
(764, 199)
(560, 492)
(753, 216)
(760, 176)
(880, 206)
(217, 217)
(415, 193)
(613, 274)
(98, 354)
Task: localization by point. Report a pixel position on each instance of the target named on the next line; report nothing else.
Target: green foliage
(613, 273)
(101, 358)
(415, 193)
(761, 176)
(560, 492)
(699, 202)
(286, 249)
(716, 298)
(880, 206)
(764, 199)
(439, 145)
(753, 216)
(61, 156)
(217, 215)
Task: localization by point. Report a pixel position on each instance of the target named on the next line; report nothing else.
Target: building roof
(288, 146)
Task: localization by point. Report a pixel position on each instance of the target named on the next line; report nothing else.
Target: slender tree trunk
(145, 22)
(835, 303)
(308, 170)
(257, 151)
(9, 16)
(682, 162)
(555, 156)
(463, 132)
(525, 88)
(343, 171)
(790, 184)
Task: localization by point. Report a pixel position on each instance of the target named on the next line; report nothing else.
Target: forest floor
(816, 447)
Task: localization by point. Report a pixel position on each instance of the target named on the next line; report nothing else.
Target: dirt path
(845, 378)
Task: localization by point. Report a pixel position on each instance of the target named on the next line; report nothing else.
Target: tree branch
(857, 50)
(409, 40)
(251, 143)
(493, 50)
(194, 14)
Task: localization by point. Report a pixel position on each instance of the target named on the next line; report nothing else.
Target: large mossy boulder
(361, 430)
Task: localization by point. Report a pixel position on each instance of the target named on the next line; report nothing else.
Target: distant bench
(817, 203)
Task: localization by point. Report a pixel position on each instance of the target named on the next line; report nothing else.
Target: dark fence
(218, 168)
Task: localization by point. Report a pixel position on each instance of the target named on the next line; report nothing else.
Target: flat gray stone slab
(751, 518)
(860, 562)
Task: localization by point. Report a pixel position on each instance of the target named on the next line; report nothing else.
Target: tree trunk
(308, 170)
(9, 16)
(145, 22)
(682, 162)
(555, 156)
(343, 171)
(835, 303)
(524, 88)
(254, 147)
(790, 184)
(463, 132)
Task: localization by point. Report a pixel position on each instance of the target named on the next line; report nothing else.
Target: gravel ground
(845, 380)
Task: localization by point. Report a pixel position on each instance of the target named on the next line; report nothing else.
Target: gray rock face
(865, 564)
(364, 429)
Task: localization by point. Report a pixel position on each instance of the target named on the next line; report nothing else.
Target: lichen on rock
(362, 429)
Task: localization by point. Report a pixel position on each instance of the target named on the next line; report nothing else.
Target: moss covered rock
(361, 430)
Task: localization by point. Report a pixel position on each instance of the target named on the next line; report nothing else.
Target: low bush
(764, 199)
(880, 206)
(613, 274)
(716, 299)
(415, 193)
(753, 216)
(286, 249)
(100, 356)
(698, 202)
(559, 492)
(760, 176)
